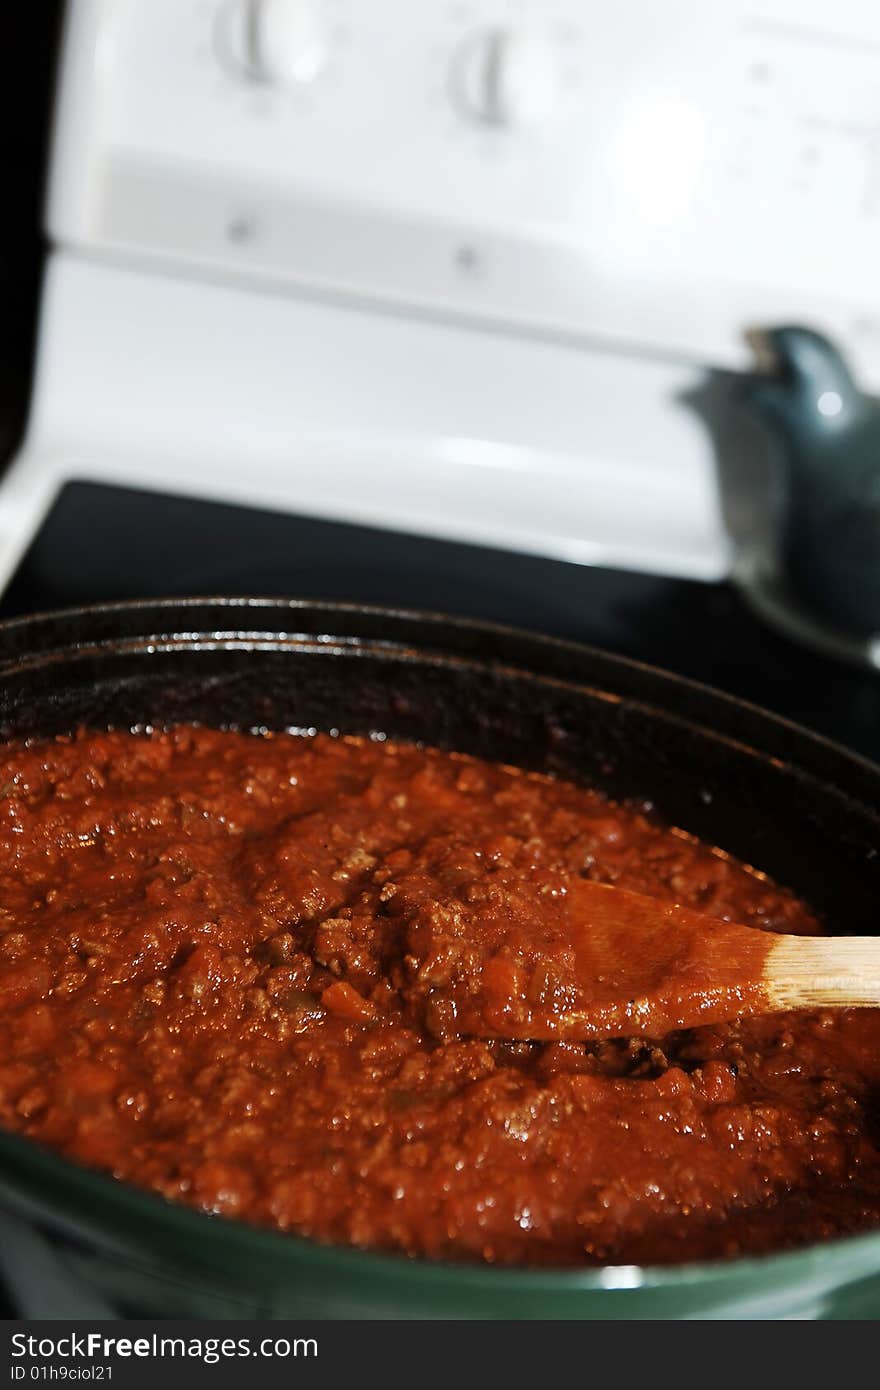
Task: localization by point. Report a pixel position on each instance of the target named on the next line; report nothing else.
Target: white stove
(456, 268)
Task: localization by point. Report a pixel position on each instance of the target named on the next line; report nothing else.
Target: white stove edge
(297, 403)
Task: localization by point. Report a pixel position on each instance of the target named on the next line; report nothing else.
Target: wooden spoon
(600, 961)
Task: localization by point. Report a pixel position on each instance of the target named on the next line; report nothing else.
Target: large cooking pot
(777, 797)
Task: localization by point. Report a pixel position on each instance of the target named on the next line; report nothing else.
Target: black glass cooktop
(103, 542)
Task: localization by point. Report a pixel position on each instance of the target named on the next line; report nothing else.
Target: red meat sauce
(208, 988)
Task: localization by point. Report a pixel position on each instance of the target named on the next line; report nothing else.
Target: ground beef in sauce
(200, 967)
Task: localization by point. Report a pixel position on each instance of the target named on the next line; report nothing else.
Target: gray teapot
(827, 516)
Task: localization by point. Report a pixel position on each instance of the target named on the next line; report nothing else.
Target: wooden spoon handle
(808, 972)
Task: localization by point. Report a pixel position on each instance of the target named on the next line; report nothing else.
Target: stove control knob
(504, 78)
(281, 42)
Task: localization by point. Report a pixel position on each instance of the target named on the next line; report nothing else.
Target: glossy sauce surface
(225, 968)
